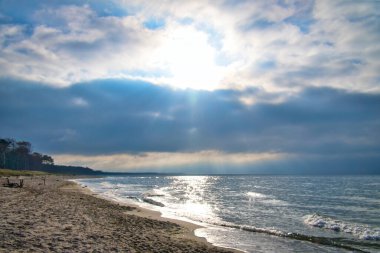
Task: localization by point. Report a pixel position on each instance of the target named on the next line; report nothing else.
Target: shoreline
(58, 215)
(155, 215)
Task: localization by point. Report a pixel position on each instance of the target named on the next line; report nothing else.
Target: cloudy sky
(194, 86)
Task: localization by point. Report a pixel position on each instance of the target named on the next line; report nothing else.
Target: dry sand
(60, 216)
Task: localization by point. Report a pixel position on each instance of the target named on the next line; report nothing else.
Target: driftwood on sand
(10, 184)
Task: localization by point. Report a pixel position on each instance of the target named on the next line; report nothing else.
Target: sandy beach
(61, 216)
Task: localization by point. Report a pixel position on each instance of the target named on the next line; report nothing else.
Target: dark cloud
(116, 116)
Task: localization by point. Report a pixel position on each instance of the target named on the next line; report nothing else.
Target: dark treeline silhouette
(75, 170)
(18, 155)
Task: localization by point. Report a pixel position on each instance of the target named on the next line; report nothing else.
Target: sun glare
(190, 60)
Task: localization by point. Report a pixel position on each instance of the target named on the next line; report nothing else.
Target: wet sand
(61, 216)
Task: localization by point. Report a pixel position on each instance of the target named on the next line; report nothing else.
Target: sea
(261, 213)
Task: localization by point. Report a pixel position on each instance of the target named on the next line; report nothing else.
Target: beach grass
(8, 172)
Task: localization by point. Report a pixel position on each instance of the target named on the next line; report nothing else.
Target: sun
(190, 60)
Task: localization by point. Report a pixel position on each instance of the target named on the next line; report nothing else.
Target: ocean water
(262, 213)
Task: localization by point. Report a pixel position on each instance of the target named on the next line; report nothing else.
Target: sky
(229, 86)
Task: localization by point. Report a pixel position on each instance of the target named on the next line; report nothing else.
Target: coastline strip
(62, 216)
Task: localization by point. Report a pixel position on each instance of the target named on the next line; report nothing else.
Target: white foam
(265, 199)
(107, 185)
(256, 195)
(360, 231)
(155, 193)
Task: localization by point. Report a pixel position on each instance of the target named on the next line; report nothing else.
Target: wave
(256, 195)
(343, 243)
(107, 185)
(155, 193)
(360, 231)
(265, 199)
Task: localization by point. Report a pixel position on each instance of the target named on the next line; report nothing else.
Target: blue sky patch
(155, 23)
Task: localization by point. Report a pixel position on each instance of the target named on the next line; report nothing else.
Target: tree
(23, 149)
(4, 148)
(7, 147)
(35, 161)
(17, 155)
(47, 160)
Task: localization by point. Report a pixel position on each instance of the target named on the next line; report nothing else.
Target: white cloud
(261, 43)
(79, 49)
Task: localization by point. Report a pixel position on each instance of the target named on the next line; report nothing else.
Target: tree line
(18, 155)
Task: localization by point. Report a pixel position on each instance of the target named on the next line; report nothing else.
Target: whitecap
(256, 195)
(155, 193)
(107, 185)
(360, 231)
(265, 199)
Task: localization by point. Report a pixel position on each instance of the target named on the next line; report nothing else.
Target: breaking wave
(360, 231)
(335, 242)
(265, 199)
